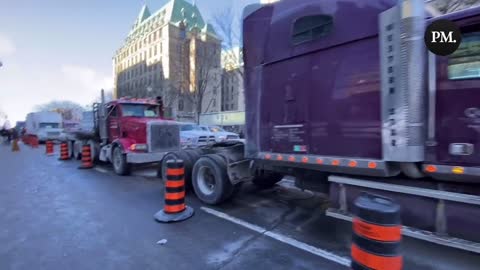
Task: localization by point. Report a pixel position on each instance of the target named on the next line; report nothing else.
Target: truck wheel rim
(116, 158)
(206, 181)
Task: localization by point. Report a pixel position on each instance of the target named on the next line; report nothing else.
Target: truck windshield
(139, 110)
(49, 125)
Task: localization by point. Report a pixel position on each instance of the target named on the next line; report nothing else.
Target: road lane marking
(100, 170)
(282, 238)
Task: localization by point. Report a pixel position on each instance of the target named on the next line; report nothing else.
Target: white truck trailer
(44, 125)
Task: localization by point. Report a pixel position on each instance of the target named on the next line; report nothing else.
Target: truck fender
(124, 143)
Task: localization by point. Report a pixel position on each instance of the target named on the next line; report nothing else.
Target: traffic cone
(377, 234)
(64, 155)
(15, 147)
(87, 162)
(49, 148)
(175, 208)
(34, 142)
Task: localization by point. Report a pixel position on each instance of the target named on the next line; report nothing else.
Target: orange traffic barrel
(175, 208)
(377, 234)
(49, 148)
(87, 162)
(64, 153)
(34, 141)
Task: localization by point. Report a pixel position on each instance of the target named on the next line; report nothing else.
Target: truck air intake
(403, 57)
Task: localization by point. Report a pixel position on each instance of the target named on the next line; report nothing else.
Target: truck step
(423, 192)
(419, 234)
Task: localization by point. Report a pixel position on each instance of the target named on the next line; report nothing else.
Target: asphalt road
(54, 216)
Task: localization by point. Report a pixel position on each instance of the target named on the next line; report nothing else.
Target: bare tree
(108, 96)
(447, 6)
(204, 77)
(69, 110)
(3, 118)
(228, 28)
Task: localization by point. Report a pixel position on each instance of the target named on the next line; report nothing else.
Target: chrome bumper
(138, 158)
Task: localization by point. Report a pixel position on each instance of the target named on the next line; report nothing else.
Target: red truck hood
(136, 127)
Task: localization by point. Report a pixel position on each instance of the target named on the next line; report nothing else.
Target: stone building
(233, 96)
(171, 53)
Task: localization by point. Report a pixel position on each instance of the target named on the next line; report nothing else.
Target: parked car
(192, 135)
(221, 135)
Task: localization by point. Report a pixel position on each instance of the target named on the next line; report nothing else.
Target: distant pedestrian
(15, 147)
(14, 137)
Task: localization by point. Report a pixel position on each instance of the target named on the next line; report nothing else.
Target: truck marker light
(352, 163)
(431, 168)
(335, 162)
(372, 165)
(291, 158)
(305, 159)
(279, 157)
(138, 147)
(268, 156)
(319, 161)
(458, 170)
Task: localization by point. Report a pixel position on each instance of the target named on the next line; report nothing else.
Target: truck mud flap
(428, 213)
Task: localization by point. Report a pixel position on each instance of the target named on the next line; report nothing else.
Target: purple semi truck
(345, 96)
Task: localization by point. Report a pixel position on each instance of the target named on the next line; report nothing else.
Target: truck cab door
(113, 122)
(456, 101)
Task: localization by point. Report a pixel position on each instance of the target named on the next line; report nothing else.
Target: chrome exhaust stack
(102, 120)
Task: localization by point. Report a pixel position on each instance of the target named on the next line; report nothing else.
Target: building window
(312, 27)
(155, 50)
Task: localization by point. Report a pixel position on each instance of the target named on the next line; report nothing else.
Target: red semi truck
(344, 95)
(126, 131)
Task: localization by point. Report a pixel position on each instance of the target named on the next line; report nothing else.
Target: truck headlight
(186, 141)
(138, 147)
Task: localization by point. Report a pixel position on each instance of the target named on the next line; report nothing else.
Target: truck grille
(202, 140)
(163, 137)
(205, 140)
(53, 134)
(232, 137)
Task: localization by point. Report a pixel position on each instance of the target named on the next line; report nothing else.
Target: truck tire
(119, 162)
(267, 180)
(77, 154)
(210, 180)
(187, 161)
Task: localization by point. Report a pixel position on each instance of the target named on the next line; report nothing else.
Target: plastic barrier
(377, 234)
(87, 162)
(64, 153)
(49, 148)
(175, 208)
